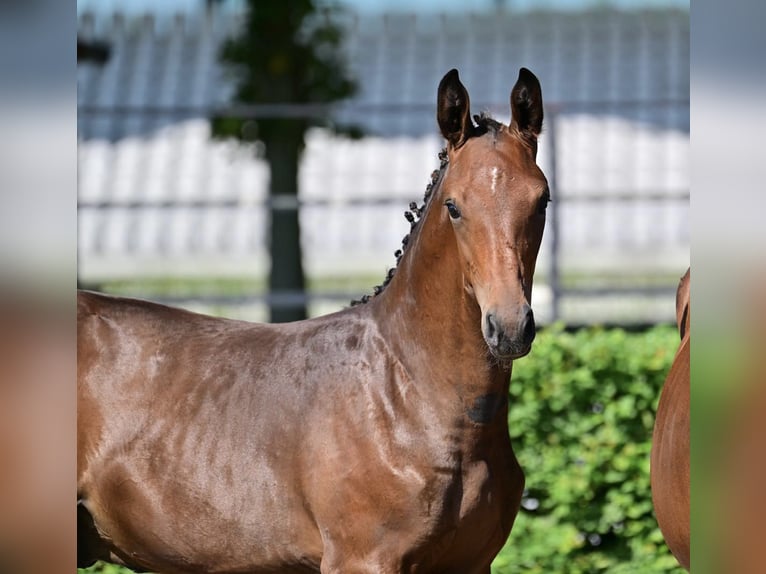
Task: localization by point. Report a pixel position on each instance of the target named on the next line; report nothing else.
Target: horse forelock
(414, 215)
(486, 124)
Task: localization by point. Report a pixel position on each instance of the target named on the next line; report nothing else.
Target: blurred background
(199, 126)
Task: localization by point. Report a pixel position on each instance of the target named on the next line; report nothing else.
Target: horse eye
(454, 212)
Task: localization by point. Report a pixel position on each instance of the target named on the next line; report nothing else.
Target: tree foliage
(285, 53)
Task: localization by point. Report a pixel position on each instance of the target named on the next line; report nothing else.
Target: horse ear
(527, 105)
(453, 109)
(683, 320)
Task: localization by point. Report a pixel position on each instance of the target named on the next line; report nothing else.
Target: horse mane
(413, 215)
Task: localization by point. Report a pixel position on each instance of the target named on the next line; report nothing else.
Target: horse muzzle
(512, 341)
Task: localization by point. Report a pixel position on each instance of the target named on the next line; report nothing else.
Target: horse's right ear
(453, 109)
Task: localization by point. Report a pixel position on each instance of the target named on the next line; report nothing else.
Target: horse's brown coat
(670, 443)
(374, 439)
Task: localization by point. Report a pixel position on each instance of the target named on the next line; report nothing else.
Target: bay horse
(374, 439)
(669, 472)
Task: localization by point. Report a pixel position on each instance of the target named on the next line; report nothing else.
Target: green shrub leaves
(582, 409)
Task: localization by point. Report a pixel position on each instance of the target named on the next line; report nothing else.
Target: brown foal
(374, 439)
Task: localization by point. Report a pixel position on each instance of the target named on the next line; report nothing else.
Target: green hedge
(102, 568)
(581, 419)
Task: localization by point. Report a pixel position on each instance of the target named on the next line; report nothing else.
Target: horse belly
(172, 526)
(214, 495)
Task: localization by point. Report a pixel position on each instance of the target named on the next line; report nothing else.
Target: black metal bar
(289, 299)
(288, 202)
(285, 203)
(624, 196)
(279, 299)
(315, 110)
(634, 291)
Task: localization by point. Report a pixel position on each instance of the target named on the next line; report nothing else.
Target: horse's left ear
(527, 105)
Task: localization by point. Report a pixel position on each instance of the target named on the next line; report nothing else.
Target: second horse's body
(670, 462)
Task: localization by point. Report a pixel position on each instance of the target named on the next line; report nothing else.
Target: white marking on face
(495, 172)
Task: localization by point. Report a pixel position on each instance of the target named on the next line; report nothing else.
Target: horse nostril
(528, 327)
(491, 326)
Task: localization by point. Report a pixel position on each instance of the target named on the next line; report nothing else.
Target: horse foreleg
(373, 567)
(90, 547)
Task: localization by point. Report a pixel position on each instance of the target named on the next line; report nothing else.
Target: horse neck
(428, 317)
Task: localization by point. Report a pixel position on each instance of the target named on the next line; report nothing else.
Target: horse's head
(494, 197)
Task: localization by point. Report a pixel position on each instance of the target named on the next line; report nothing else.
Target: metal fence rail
(554, 256)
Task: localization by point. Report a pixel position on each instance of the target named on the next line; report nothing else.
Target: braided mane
(484, 123)
(413, 215)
